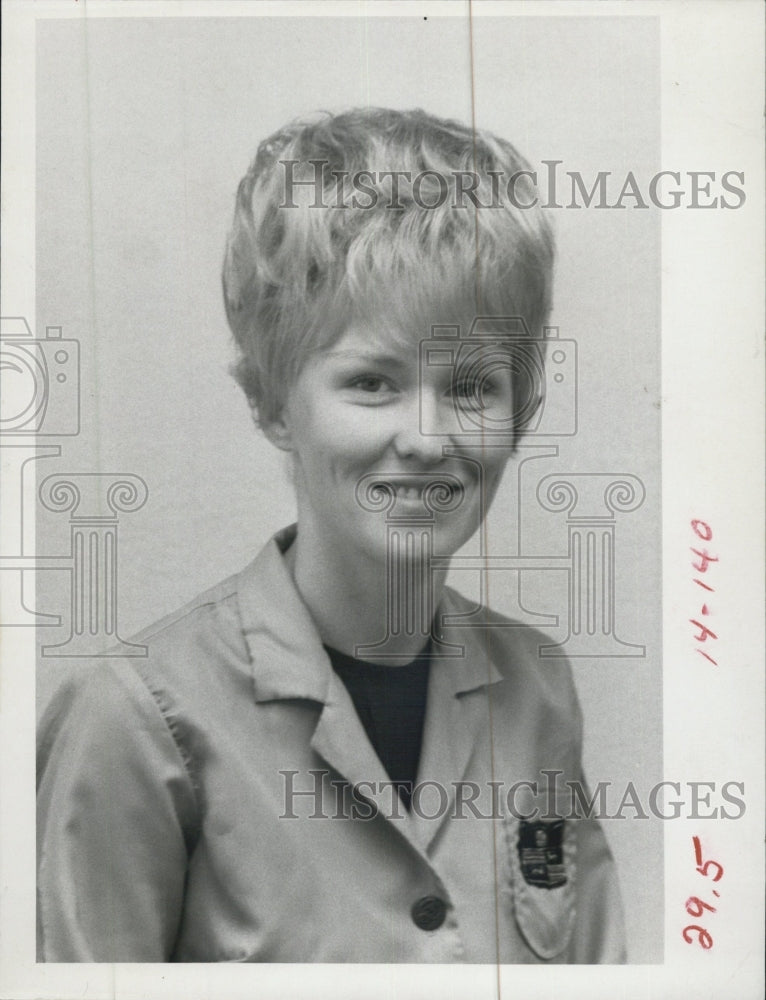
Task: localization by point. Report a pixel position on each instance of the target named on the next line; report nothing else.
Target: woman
(324, 758)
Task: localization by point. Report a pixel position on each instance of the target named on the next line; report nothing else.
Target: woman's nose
(423, 431)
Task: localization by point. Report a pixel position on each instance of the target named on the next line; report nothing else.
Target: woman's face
(364, 421)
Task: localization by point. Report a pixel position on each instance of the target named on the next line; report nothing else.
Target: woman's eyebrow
(370, 357)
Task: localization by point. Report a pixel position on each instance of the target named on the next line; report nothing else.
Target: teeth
(408, 492)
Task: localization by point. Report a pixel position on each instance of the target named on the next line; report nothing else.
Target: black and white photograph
(384, 495)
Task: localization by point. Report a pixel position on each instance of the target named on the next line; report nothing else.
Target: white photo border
(712, 426)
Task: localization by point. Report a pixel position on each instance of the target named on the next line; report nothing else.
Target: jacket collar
(289, 662)
(286, 650)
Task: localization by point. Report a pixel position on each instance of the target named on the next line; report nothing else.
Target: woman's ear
(278, 433)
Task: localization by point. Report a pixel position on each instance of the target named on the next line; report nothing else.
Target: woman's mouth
(429, 492)
(404, 492)
(435, 493)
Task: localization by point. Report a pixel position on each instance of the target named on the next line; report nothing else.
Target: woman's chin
(413, 541)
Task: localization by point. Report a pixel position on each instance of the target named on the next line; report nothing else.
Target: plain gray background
(144, 129)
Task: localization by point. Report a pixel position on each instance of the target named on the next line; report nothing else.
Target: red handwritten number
(704, 632)
(695, 906)
(702, 868)
(702, 530)
(705, 559)
(703, 937)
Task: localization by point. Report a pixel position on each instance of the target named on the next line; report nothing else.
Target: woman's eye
(471, 394)
(370, 383)
(374, 385)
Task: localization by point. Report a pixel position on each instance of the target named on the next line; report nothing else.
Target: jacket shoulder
(204, 632)
(198, 609)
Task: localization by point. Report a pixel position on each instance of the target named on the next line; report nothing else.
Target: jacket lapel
(289, 662)
(340, 739)
(286, 653)
(457, 724)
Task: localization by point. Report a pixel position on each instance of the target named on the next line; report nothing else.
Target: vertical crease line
(484, 529)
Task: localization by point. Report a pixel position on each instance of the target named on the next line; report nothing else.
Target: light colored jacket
(171, 825)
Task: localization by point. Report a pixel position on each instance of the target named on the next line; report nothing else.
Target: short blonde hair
(320, 239)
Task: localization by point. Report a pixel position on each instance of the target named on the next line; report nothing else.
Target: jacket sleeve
(116, 811)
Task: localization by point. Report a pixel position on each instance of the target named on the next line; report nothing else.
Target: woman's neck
(358, 601)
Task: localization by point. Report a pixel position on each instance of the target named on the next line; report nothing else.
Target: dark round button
(429, 912)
